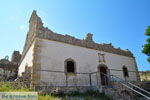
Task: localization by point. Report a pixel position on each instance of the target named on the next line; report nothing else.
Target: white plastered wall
(27, 61)
(54, 54)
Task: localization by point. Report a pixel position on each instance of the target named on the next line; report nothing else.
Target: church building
(63, 60)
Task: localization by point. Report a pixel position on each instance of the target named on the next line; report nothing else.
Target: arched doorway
(103, 73)
(125, 71)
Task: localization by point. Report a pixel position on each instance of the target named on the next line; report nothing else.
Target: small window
(125, 71)
(70, 66)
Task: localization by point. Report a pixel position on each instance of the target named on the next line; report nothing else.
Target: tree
(146, 47)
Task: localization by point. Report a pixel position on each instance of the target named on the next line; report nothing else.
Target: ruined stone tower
(9, 69)
(16, 57)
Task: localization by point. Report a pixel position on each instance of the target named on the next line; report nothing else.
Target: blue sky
(120, 22)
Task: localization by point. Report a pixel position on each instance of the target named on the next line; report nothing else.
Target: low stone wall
(65, 89)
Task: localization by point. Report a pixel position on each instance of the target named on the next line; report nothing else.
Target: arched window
(70, 66)
(125, 71)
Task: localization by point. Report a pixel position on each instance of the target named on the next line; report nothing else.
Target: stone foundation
(65, 89)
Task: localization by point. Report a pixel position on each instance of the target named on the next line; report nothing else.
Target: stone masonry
(9, 69)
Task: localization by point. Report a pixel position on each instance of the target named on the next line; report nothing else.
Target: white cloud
(23, 27)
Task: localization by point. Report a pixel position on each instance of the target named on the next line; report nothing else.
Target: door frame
(104, 79)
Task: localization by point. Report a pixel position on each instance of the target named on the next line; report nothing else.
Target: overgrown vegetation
(76, 95)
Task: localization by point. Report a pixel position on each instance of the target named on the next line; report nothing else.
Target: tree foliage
(146, 47)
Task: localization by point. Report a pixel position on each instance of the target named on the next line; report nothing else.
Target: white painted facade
(54, 54)
(27, 61)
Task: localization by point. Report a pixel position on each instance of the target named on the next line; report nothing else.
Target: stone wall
(53, 55)
(85, 43)
(9, 69)
(16, 56)
(65, 89)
